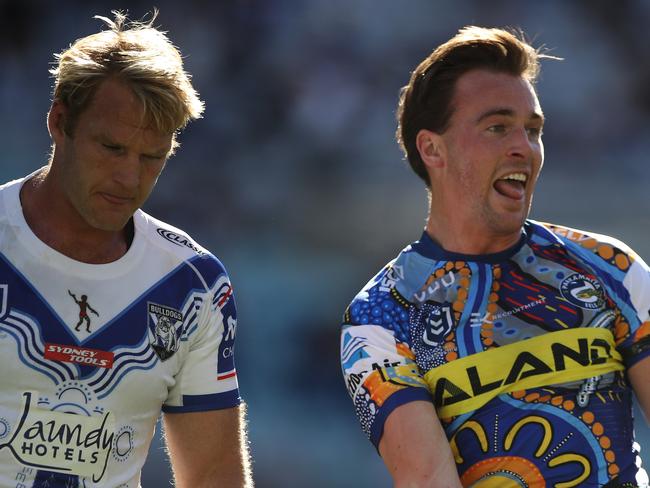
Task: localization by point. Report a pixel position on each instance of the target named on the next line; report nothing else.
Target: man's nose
(522, 144)
(127, 171)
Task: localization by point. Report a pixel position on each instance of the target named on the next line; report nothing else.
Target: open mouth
(512, 185)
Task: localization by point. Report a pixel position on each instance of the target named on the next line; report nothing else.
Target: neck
(458, 237)
(55, 221)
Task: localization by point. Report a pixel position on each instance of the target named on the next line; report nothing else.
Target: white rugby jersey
(91, 353)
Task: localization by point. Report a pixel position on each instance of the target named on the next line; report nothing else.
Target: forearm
(415, 449)
(638, 375)
(209, 449)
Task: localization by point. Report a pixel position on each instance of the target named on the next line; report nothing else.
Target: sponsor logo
(477, 319)
(524, 365)
(79, 355)
(385, 367)
(444, 282)
(394, 372)
(582, 291)
(179, 240)
(353, 382)
(559, 357)
(390, 279)
(165, 329)
(62, 442)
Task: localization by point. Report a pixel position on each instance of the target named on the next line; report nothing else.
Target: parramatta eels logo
(62, 442)
(435, 319)
(583, 291)
(165, 329)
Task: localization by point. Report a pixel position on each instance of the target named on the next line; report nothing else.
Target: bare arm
(415, 448)
(639, 374)
(209, 449)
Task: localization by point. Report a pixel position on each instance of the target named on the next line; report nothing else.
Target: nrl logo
(582, 291)
(165, 329)
(436, 321)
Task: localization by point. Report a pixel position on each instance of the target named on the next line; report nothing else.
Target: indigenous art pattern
(522, 352)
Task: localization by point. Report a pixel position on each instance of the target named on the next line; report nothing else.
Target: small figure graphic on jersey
(166, 337)
(84, 306)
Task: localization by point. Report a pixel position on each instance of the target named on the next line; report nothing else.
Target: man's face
(494, 153)
(110, 163)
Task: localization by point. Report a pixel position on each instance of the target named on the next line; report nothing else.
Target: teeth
(516, 176)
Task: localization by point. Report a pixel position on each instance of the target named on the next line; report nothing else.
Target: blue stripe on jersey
(121, 358)
(23, 359)
(542, 236)
(592, 259)
(451, 429)
(30, 329)
(18, 276)
(210, 268)
(465, 331)
(485, 280)
(186, 335)
(190, 314)
(148, 295)
(201, 403)
(144, 364)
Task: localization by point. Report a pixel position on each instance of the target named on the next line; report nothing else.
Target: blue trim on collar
(427, 247)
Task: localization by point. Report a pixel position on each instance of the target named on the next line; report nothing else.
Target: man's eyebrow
(507, 112)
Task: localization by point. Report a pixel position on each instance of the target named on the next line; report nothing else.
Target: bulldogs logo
(165, 329)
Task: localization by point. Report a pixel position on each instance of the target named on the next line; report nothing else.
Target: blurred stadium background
(294, 180)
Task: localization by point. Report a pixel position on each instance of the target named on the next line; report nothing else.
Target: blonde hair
(138, 54)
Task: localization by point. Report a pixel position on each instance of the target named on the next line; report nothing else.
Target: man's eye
(498, 128)
(534, 131)
(112, 147)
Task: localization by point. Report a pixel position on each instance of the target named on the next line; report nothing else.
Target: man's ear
(56, 118)
(432, 149)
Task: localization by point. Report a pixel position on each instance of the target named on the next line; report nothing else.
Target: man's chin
(509, 224)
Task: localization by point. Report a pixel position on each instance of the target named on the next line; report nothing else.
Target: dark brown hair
(426, 102)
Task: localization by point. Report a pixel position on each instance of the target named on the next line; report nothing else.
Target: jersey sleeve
(377, 363)
(627, 280)
(634, 333)
(207, 378)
